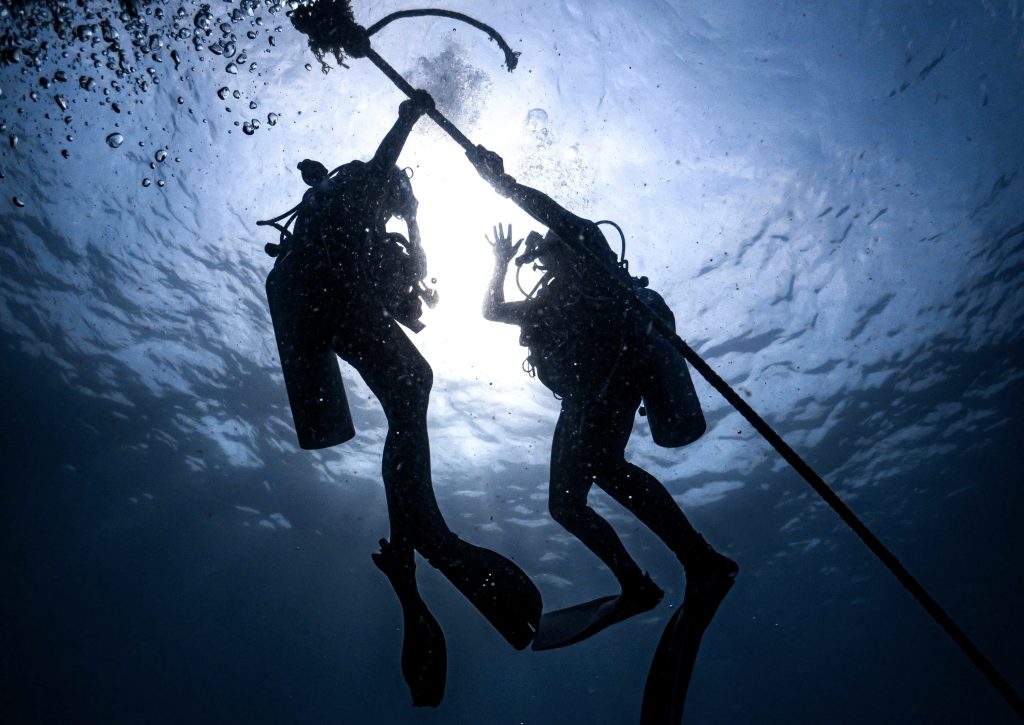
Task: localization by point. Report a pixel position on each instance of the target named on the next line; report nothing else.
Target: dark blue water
(829, 198)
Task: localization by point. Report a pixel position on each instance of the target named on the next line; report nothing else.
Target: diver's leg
(571, 479)
(641, 493)
(401, 379)
(644, 495)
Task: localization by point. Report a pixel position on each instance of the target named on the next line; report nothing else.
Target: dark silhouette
(340, 285)
(591, 344)
(672, 666)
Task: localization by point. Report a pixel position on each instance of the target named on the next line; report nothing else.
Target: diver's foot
(710, 578)
(398, 566)
(639, 595)
(574, 624)
(496, 586)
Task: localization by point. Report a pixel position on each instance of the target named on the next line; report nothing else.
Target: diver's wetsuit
(329, 295)
(593, 358)
(323, 285)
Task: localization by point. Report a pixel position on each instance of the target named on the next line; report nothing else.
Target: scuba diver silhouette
(590, 346)
(339, 287)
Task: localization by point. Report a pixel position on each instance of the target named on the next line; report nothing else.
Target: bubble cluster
(115, 54)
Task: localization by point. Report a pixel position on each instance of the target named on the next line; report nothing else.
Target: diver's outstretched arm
(409, 112)
(535, 203)
(571, 229)
(496, 308)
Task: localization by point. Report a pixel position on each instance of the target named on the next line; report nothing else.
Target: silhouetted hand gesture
(504, 250)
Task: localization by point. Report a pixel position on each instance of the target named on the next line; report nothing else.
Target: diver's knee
(565, 509)
(418, 383)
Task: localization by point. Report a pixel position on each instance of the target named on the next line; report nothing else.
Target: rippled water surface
(829, 195)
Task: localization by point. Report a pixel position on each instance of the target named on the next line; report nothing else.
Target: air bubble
(536, 119)
(222, 92)
(146, 182)
(114, 140)
(272, 119)
(17, 202)
(252, 105)
(231, 68)
(203, 20)
(161, 155)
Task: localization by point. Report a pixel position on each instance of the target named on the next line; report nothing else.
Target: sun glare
(456, 210)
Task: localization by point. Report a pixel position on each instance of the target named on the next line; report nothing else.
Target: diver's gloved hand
(415, 106)
(492, 168)
(504, 250)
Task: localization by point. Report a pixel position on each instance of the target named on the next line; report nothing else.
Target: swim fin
(564, 627)
(424, 654)
(672, 667)
(499, 589)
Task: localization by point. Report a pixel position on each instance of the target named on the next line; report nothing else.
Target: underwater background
(829, 196)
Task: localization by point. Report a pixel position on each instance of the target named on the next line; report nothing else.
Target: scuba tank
(298, 292)
(312, 375)
(669, 399)
(671, 403)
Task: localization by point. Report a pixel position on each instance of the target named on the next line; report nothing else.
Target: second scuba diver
(591, 346)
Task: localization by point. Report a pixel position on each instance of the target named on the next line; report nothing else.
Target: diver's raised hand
(492, 168)
(504, 250)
